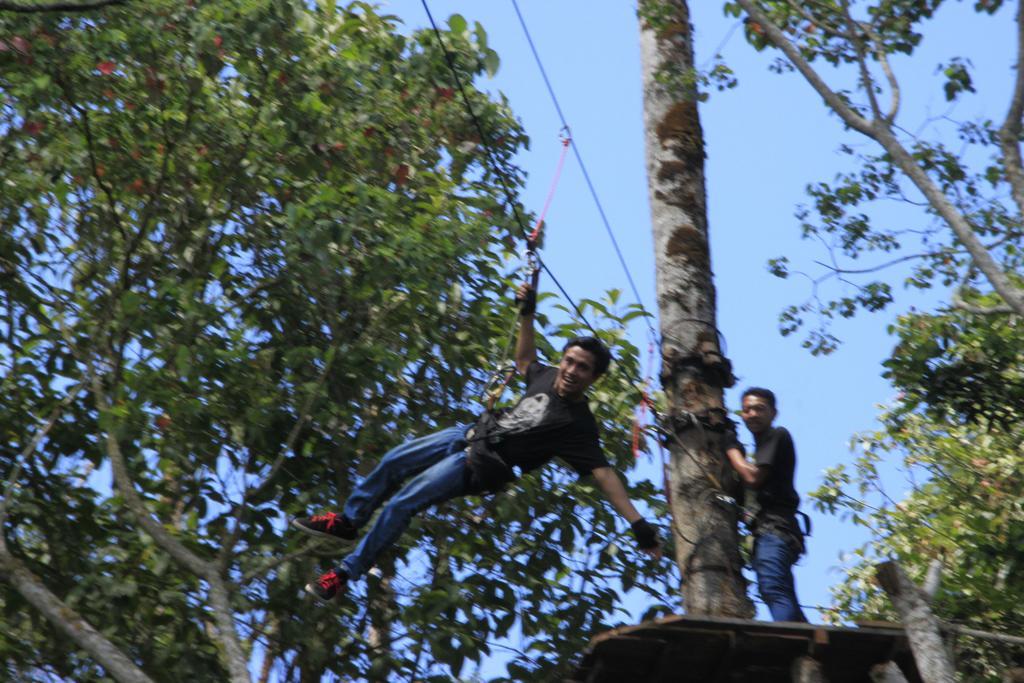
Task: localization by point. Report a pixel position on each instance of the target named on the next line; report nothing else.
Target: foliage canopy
(245, 247)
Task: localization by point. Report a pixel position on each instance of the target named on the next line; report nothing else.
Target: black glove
(527, 304)
(646, 536)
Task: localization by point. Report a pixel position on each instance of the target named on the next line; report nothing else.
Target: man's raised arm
(526, 345)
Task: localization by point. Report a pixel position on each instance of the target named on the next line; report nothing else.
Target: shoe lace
(331, 518)
(329, 581)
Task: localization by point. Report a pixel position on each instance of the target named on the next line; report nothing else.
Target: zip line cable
(645, 401)
(496, 167)
(590, 184)
(583, 166)
(654, 336)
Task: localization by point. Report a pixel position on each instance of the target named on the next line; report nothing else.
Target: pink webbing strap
(531, 244)
(566, 141)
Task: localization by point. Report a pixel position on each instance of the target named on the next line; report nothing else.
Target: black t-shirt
(543, 425)
(775, 450)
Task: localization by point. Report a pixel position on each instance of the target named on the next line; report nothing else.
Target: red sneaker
(330, 525)
(327, 586)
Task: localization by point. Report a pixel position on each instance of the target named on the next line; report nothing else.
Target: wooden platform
(682, 649)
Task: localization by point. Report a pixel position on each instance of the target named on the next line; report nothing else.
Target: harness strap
(805, 527)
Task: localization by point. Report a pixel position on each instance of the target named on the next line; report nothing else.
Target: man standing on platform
(778, 540)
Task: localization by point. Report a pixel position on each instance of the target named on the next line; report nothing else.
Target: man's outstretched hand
(526, 299)
(646, 538)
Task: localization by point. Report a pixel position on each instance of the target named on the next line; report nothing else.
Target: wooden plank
(681, 649)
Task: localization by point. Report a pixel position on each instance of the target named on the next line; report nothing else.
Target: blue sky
(765, 140)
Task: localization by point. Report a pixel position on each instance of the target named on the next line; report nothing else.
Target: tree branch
(920, 624)
(90, 144)
(170, 147)
(959, 303)
(849, 116)
(932, 578)
(806, 669)
(985, 635)
(29, 449)
(124, 483)
(66, 620)
(816, 21)
(278, 561)
(872, 269)
(903, 160)
(883, 61)
(233, 533)
(58, 6)
(59, 614)
(269, 655)
(1009, 133)
(224, 633)
(959, 224)
(887, 672)
(862, 63)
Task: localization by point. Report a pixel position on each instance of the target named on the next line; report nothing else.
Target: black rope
(583, 166)
(593, 191)
(495, 166)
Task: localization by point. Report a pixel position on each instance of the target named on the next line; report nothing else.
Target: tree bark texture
(704, 528)
(920, 624)
(888, 672)
(1015, 675)
(807, 670)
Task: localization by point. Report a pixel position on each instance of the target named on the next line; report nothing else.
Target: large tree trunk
(693, 375)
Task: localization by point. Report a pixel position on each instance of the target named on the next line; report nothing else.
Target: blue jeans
(773, 562)
(437, 464)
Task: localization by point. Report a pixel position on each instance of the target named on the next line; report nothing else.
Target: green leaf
(130, 302)
(491, 62)
(457, 23)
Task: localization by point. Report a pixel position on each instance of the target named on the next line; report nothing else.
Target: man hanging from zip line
(778, 539)
(552, 419)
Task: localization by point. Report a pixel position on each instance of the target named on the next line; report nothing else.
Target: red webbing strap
(638, 422)
(645, 402)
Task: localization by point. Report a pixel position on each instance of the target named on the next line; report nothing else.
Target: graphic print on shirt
(526, 415)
